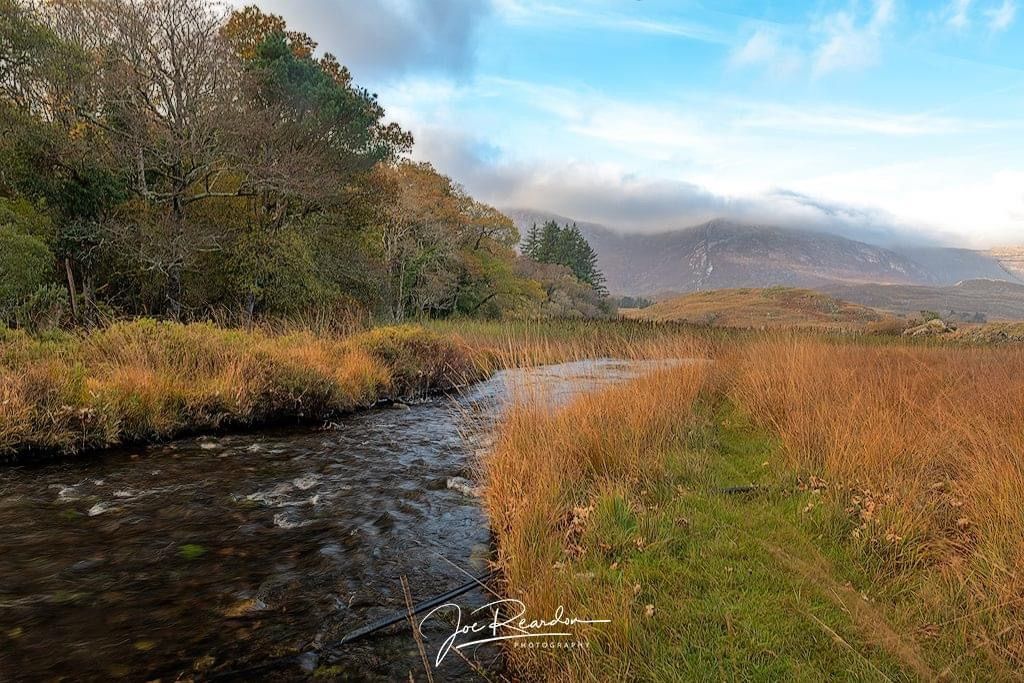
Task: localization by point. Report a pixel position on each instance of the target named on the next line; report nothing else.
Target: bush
(889, 326)
(26, 265)
(44, 309)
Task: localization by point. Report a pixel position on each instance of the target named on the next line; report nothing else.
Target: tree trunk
(71, 288)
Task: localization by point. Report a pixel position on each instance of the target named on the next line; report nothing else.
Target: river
(210, 555)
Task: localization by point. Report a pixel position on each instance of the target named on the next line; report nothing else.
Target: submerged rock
(464, 486)
(307, 661)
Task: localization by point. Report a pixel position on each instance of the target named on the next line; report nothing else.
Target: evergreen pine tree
(532, 242)
(565, 246)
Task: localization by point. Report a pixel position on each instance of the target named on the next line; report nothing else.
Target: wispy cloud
(830, 120)
(549, 14)
(766, 47)
(850, 41)
(1000, 18)
(956, 14)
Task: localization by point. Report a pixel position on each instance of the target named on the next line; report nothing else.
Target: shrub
(45, 309)
(26, 265)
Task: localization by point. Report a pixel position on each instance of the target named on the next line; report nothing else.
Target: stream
(205, 556)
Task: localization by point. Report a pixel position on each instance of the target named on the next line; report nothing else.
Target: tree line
(165, 158)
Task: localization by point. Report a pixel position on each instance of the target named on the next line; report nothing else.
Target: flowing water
(206, 556)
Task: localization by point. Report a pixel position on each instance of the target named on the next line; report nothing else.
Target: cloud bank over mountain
(876, 119)
(629, 203)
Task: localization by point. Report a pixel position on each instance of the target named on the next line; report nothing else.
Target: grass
(147, 380)
(519, 343)
(924, 447)
(884, 543)
(757, 308)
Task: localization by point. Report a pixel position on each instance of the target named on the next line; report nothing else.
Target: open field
(883, 543)
(758, 308)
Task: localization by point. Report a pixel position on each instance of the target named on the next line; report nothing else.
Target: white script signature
(508, 616)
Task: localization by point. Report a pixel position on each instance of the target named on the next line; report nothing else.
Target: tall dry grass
(525, 343)
(925, 449)
(543, 476)
(147, 380)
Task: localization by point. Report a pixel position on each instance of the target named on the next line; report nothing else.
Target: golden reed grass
(926, 448)
(148, 380)
(920, 448)
(547, 466)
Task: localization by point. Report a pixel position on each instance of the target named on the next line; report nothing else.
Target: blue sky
(883, 119)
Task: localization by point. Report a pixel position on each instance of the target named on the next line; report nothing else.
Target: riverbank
(880, 540)
(148, 381)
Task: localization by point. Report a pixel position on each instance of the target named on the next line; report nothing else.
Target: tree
(532, 242)
(248, 28)
(566, 246)
(187, 161)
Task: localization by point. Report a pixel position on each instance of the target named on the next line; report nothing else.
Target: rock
(933, 327)
(100, 508)
(245, 608)
(463, 486)
(307, 661)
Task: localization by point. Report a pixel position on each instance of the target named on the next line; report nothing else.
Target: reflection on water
(208, 555)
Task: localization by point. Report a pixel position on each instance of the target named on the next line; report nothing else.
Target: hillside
(948, 265)
(771, 307)
(993, 299)
(1011, 259)
(722, 254)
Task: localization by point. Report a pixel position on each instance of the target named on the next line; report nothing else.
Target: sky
(887, 120)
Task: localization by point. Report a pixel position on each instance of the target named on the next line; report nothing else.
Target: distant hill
(723, 254)
(1011, 259)
(769, 307)
(993, 299)
(947, 265)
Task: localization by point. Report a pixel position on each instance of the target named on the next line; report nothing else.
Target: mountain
(722, 254)
(1011, 259)
(947, 266)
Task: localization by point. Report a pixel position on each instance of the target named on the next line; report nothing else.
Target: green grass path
(742, 587)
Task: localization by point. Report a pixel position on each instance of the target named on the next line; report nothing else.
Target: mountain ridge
(720, 254)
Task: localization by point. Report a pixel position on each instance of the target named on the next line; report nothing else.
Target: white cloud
(550, 13)
(868, 174)
(850, 44)
(956, 14)
(1000, 18)
(387, 38)
(833, 121)
(765, 47)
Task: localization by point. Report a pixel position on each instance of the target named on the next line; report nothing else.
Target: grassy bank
(883, 543)
(147, 380)
(518, 343)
